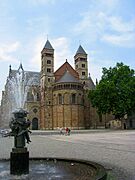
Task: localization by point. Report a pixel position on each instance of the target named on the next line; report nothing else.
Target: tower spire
(48, 45)
(80, 50)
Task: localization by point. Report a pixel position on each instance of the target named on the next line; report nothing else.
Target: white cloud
(96, 64)
(95, 71)
(118, 25)
(123, 40)
(35, 61)
(101, 26)
(62, 51)
(90, 26)
(6, 51)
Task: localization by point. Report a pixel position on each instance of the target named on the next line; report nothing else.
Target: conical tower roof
(80, 50)
(48, 45)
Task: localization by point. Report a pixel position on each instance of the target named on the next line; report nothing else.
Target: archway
(35, 124)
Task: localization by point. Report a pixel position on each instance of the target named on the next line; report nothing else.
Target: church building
(57, 98)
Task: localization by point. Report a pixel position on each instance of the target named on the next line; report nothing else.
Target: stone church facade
(57, 98)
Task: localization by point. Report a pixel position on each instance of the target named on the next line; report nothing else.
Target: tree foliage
(115, 93)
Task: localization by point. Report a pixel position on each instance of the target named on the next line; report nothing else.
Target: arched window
(48, 61)
(73, 100)
(38, 97)
(60, 100)
(30, 96)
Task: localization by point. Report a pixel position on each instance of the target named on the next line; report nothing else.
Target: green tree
(115, 93)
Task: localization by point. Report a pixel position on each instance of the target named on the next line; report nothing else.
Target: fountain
(18, 86)
(42, 168)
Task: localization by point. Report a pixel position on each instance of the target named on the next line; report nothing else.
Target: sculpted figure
(20, 128)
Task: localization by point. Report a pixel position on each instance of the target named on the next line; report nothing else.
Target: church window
(60, 99)
(35, 110)
(83, 65)
(73, 98)
(30, 97)
(82, 59)
(48, 79)
(83, 73)
(48, 61)
(48, 70)
(49, 55)
(38, 97)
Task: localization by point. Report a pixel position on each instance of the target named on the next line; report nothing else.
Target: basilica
(56, 98)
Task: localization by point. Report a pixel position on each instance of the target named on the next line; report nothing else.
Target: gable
(60, 72)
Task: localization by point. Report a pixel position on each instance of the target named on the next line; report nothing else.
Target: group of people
(67, 131)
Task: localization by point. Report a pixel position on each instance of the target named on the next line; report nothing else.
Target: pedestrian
(67, 131)
(61, 131)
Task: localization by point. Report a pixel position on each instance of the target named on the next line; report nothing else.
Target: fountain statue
(19, 157)
(19, 126)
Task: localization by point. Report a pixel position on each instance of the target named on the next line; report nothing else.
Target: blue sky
(104, 28)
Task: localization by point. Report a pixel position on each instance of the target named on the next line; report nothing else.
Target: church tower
(81, 64)
(47, 78)
(47, 64)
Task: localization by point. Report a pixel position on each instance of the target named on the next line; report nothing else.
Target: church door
(35, 124)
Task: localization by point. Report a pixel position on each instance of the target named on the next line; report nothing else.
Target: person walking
(67, 131)
(61, 131)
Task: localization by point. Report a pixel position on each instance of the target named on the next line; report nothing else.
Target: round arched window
(35, 110)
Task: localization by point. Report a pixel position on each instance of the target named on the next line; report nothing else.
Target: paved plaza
(115, 150)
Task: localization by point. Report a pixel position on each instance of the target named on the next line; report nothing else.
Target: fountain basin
(56, 169)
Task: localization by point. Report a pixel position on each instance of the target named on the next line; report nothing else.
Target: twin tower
(64, 102)
(47, 64)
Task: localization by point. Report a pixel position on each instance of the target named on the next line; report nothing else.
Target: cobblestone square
(115, 150)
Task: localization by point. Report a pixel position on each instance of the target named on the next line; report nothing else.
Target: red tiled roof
(60, 72)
